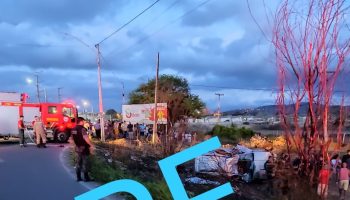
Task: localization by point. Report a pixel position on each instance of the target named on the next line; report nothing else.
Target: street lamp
(29, 80)
(85, 103)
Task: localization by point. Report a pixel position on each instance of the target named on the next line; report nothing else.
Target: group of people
(116, 129)
(38, 130)
(134, 131)
(337, 170)
(341, 169)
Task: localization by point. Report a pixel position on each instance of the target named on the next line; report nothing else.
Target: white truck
(10, 103)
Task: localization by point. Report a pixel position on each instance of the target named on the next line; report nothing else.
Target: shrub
(231, 134)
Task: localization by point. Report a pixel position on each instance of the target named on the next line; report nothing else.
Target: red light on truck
(69, 125)
(61, 127)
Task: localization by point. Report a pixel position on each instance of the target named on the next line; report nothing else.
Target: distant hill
(272, 110)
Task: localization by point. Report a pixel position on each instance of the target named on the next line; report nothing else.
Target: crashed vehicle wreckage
(238, 161)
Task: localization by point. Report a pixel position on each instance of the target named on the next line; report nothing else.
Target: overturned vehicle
(239, 161)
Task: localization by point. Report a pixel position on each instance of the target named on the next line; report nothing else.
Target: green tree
(174, 91)
(112, 113)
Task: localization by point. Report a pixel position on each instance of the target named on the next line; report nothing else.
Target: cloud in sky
(217, 44)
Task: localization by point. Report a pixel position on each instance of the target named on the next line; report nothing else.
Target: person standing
(142, 129)
(335, 164)
(130, 128)
(39, 131)
(116, 129)
(82, 148)
(323, 178)
(149, 132)
(125, 129)
(136, 131)
(98, 129)
(343, 180)
(21, 128)
(270, 174)
(346, 159)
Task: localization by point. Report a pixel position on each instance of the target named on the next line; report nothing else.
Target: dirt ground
(140, 159)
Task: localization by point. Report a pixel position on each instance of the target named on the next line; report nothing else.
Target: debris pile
(197, 180)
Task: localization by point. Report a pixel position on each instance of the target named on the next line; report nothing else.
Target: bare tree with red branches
(311, 41)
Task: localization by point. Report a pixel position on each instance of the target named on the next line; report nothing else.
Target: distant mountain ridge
(272, 110)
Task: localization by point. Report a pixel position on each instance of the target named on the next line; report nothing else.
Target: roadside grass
(104, 172)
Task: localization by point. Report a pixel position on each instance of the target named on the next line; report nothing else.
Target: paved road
(35, 174)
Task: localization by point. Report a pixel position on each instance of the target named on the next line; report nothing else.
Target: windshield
(68, 112)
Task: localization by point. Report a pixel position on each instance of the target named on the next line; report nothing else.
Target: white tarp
(144, 113)
(220, 161)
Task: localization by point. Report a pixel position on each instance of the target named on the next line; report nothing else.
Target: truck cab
(59, 119)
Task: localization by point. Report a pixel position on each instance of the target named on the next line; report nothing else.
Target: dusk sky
(214, 44)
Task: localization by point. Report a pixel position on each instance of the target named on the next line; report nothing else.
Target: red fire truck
(58, 118)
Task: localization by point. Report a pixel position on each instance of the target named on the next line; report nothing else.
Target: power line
(161, 14)
(81, 41)
(86, 45)
(256, 22)
(127, 23)
(235, 88)
(163, 27)
(251, 89)
(153, 20)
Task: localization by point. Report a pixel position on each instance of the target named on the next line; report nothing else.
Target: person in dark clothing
(130, 128)
(98, 129)
(21, 128)
(121, 133)
(270, 174)
(346, 159)
(82, 149)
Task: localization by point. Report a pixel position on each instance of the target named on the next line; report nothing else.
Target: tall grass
(104, 173)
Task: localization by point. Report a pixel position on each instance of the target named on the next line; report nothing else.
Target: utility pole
(59, 94)
(37, 87)
(100, 103)
(155, 117)
(219, 105)
(123, 97)
(123, 93)
(45, 95)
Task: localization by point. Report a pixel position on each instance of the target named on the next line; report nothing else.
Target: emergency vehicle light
(61, 127)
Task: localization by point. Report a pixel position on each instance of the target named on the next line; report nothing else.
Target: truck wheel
(61, 137)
